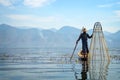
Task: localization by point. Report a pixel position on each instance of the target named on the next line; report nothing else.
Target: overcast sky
(58, 13)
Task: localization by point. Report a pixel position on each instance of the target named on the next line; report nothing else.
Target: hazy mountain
(68, 30)
(12, 37)
(115, 37)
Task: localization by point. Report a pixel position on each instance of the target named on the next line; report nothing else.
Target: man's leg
(83, 50)
(87, 52)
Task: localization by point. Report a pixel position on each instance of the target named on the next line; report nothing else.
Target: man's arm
(78, 38)
(89, 36)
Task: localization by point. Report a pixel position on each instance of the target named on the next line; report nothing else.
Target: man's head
(84, 30)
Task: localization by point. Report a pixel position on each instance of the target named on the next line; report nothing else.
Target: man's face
(84, 30)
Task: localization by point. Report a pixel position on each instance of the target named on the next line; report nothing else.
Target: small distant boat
(82, 56)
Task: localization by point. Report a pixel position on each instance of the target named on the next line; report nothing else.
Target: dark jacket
(84, 37)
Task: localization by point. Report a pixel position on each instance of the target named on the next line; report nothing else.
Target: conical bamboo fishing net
(98, 57)
(98, 47)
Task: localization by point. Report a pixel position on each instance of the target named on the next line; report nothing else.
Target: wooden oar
(73, 51)
(75, 46)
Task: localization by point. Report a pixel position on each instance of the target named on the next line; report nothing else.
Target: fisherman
(84, 36)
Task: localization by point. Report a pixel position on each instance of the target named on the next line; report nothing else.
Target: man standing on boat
(84, 37)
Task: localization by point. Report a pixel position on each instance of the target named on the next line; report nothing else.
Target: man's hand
(77, 42)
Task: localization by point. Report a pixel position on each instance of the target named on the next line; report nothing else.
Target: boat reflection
(83, 72)
(95, 70)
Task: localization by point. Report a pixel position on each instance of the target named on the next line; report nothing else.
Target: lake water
(54, 64)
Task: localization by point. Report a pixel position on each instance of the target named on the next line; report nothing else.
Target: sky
(48, 14)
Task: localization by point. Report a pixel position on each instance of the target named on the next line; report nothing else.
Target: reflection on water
(98, 70)
(54, 65)
(84, 71)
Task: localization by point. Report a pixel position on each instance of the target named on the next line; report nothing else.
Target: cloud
(37, 3)
(117, 12)
(118, 2)
(109, 5)
(28, 3)
(5, 2)
(53, 21)
(33, 18)
(105, 5)
(19, 17)
(10, 3)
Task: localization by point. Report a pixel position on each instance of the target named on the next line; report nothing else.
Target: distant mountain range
(12, 37)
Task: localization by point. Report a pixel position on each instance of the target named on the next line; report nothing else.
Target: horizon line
(31, 27)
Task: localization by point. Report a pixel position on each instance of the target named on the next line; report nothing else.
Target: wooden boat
(82, 56)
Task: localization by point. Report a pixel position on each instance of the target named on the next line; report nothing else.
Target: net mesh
(98, 57)
(98, 47)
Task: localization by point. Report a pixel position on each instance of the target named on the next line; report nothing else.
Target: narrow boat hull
(82, 56)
